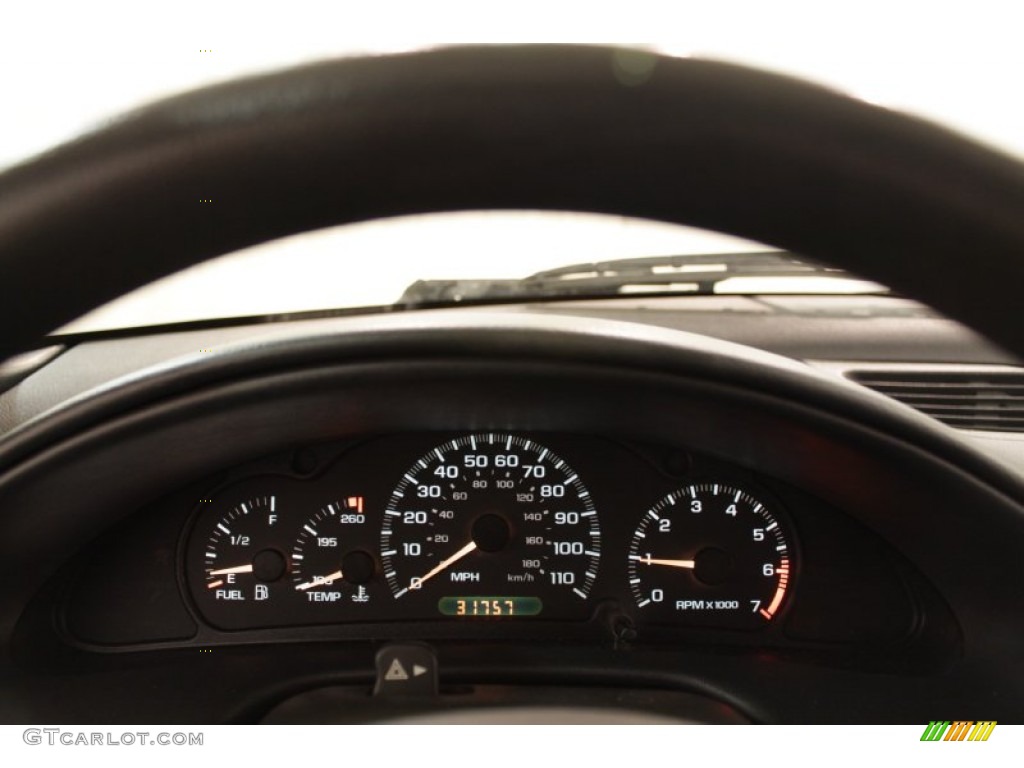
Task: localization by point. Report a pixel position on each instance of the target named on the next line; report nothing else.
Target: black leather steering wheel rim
(916, 207)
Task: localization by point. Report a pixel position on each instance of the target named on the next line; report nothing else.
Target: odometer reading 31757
(491, 514)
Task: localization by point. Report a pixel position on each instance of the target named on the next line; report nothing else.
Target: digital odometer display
(496, 514)
(503, 606)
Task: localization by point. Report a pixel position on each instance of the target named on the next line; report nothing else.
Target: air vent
(991, 401)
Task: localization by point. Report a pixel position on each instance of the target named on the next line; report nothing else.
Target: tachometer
(710, 555)
(487, 520)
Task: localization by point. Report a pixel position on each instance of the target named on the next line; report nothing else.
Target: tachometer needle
(320, 580)
(438, 568)
(654, 561)
(235, 569)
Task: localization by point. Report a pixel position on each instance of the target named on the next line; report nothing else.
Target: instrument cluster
(491, 526)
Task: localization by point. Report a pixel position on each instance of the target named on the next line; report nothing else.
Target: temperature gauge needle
(320, 580)
(235, 569)
(438, 568)
(654, 561)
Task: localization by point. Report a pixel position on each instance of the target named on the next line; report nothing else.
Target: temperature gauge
(325, 567)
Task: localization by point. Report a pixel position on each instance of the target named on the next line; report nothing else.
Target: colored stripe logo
(959, 730)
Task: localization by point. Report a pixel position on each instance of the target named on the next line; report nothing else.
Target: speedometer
(491, 525)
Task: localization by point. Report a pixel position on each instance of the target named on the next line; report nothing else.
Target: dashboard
(500, 535)
(548, 507)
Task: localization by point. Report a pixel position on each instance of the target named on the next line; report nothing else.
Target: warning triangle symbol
(396, 672)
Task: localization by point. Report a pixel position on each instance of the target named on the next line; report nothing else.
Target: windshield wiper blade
(688, 274)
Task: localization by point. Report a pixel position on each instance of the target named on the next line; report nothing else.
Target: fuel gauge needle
(418, 582)
(655, 561)
(234, 569)
(320, 580)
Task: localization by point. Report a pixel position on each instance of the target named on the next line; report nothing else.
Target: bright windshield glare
(70, 66)
(373, 263)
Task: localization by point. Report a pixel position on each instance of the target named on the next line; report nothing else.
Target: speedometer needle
(235, 569)
(654, 561)
(416, 583)
(320, 580)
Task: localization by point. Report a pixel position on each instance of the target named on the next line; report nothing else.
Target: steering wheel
(713, 145)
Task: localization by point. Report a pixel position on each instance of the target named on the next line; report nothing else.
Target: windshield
(942, 63)
(434, 260)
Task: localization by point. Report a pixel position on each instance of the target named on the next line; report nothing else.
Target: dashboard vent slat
(992, 401)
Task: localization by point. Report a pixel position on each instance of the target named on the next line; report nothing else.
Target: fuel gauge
(244, 565)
